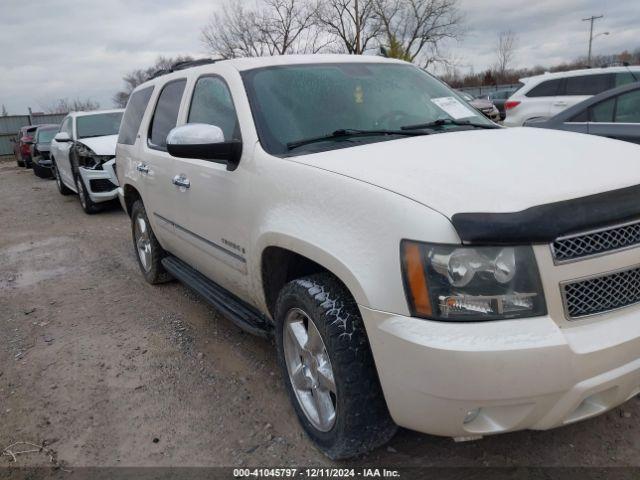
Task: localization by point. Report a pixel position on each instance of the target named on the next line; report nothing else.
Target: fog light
(471, 416)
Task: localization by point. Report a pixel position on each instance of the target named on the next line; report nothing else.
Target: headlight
(462, 283)
(88, 159)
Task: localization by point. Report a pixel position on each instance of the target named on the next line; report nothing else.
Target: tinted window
(212, 103)
(628, 109)
(165, 116)
(588, 84)
(98, 125)
(626, 77)
(603, 111)
(545, 89)
(583, 116)
(133, 115)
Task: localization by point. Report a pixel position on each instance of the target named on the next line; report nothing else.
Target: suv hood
(101, 145)
(505, 170)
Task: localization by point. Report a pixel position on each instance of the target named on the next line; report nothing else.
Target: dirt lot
(109, 370)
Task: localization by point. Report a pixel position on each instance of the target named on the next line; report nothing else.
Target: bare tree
(276, 27)
(352, 22)
(64, 105)
(505, 52)
(138, 76)
(417, 28)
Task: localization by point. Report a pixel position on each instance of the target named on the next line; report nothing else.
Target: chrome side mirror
(204, 142)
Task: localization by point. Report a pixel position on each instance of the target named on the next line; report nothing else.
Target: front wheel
(328, 368)
(62, 188)
(86, 203)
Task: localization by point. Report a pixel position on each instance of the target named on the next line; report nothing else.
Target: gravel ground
(107, 370)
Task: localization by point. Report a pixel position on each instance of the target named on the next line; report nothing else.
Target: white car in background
(83, 157)
(544, 96)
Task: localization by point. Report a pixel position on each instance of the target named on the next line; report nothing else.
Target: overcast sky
(81, 48)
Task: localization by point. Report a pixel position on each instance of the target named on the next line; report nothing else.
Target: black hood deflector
(544, 223)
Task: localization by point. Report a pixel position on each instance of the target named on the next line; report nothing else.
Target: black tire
(41, 172)
(86, 203)
(154, 273)
(362, 420)
(20, 163)
(62, 188)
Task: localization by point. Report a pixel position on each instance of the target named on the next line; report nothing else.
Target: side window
(133, 115)
(603, 111)
(628, 108)
(212, 104)
(66, 126)
(626, 77)
(589, 84)
(583, 116)
(545, 89)
(165, 116)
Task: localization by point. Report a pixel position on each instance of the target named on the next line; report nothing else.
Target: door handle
(181, 181)
(141, 167)
(560, 104)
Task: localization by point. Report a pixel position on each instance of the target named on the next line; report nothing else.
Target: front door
(61, 152)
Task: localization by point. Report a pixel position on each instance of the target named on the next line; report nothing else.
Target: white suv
(546, 95)
(83, 157)
(354, 208)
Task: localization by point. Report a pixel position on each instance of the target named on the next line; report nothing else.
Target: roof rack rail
(182, 66)
(192, 63)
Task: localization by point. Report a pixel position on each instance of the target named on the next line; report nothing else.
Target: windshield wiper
(350, 132)
(448, 121)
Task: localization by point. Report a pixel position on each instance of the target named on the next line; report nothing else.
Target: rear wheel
(328, 368)
(148, 249)
(86, 203)
(20, 162)
(62, 188)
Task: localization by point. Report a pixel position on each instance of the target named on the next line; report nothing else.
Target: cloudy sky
(81, 48)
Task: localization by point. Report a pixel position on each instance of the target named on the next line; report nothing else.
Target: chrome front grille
(602, 293)
(596, 242)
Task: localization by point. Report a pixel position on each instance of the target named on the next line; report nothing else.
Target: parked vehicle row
(486, 107)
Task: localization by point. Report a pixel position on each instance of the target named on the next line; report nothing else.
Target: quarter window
(545, 89)
(212, 104)
(67, 126)
(133, 115)
(165, 116)
(588, 84)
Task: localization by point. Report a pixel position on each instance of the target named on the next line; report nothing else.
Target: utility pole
(591, 19)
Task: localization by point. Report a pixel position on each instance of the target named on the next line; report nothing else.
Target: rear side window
(212, 103)
(165, 116)
(133, 115)
(545, 89)
(626, 77)
(589, 84)
(628, 108)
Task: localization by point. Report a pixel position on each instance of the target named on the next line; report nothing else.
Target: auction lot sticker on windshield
(453, 107)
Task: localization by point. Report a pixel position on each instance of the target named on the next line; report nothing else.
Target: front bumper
(521, 374)
(101, 185)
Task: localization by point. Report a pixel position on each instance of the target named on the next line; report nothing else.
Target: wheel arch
(288, 259)
(131, 194)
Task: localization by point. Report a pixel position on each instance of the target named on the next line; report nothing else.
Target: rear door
(540, 98)
(617, 117)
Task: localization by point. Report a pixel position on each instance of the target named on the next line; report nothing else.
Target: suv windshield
(297, 102)
(98, 125)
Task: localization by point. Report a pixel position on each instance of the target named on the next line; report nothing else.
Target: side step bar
(239, 312)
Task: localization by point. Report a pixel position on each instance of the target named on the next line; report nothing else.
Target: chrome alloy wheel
(143, 242)
(310, 370)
